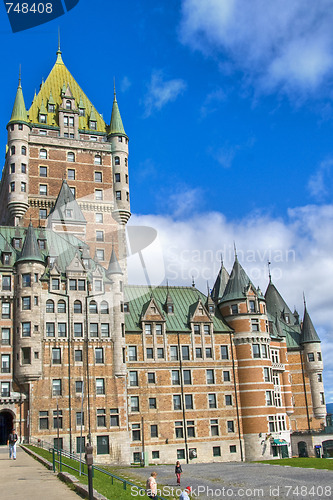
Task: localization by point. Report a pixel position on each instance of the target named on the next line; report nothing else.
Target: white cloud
(160, 92)
(125, 84)
(299, 249)
(321, 182)
(278, 44)
(211, 102)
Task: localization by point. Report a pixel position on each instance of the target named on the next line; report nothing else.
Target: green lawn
(101, 482)
(315, 463)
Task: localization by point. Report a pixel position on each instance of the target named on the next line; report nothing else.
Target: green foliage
(314, 463)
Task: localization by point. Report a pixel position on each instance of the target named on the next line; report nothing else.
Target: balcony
(279, 367)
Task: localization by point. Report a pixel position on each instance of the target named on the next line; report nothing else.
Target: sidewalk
(25, 478)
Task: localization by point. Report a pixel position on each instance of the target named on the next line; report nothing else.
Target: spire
(116, 125)
(309, 333)
(59, 58)
(220, 283)
(114, 267)
(275, 303)
(42, 108)
(19, 113)
(30, 251)
(237, 284)
(66, 208)
(269, 271)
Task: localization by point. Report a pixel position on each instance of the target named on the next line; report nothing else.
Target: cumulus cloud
(161, 91)
(299, 249)
(278, 44)
(321, 182)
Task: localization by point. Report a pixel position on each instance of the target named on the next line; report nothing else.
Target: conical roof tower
(220, 283)
(309, 333)
(116, 125)
(19, 113)
(30, 251)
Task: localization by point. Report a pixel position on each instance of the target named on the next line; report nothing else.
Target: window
(118, 195)
(198, 352)
(99, 235)
(269, 398)
(120, 139)
(93, 329)
(114, 417)
(190, 428)
(5, 310)
(78, 330)
(151, 378)
(78, 386)
(68, 105)
(43, 154)
(12, 187)
(322, 398)
(170, 308)
(71, 174)
(212, 401)
(23, 168)
(226, 376)
(105, 330)
(134, 400)
(98, 285)
(224, 352)
(234, 309)
(256, 350)
(126, 176)
(319, 356)
(209, 353)
(177, 403)
(132, 353)
(23, 151)
(61, 303)
(136, 434)
(6, 258)
(179, 430)
(26, 280)
(228, 400)
(100, 254)
(319, 377)
(77, 307)
(98, 160)
(26, 355)
(158, 329)
(78, 355)
(252, 306)
(43, 420)
(207, 329)
(12, 168)
(210, 377)
(102, 445)
(185, 350)
(49, 306)
(311, 356)
(98, 194)
(214, 427)
(50, 330)
(267, 374)
(187, 379)
(160, 353)
(100, 386)
(155, 455)
(230, 426)
(80, 441)
(56, 387)
(5, 336)
(133, 378)
(92, 125)
(72, 284)
(12, 150)
(117, 160)
(43, 189)
(117, 177)
(152, 403)
(255, 325)
(51, 108)
(5, 363)
(232, 448)
(42, 213)
(181, 454)
(43, 171)
(196, 329)
(101, 417)
(175, 377)
(56, 356)
(23, 187)
(149, 353)
(62, 330)
(81, 285)
(99, 355)
(6, 282)
(26, 329)
(188, 401)
(99, 218)
(98, 177)
(154, 431)
(216, 451)
(173, 353)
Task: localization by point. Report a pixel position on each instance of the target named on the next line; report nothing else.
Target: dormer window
(286, 316)
(126, 307)
(92, 124)
(148, 329)
(211, 309)
(68, 105)
(82, 112)
(170, 308)
(42, 118)
(252, 306)
(234, 309)
(6, 259)
(42, 244)
(17, 243)
(51, 108)
(68, 213)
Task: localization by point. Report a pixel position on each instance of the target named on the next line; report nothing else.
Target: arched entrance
(302, 449)
(328, 448)
(6, 425)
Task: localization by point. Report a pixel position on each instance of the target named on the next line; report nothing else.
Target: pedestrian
(178, 471)
(185, 494)
(12, 439)
(151, 485)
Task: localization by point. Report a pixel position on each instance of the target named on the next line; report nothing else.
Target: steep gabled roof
(114, 266)
(309, 333)
(238, 284)
(64, 202)
(220, 284)
(30, 251)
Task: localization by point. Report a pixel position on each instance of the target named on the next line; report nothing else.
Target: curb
(80, 488)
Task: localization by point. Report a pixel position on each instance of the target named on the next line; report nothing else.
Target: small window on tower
(70, 157)
(51, 108)
(117, 177)
(42, 154)
(68, 105)
(23, 150)
(117, 160)
(98, 160)
(12, 168)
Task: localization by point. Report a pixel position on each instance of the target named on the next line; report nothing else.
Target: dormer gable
(151, 311)
(199, 313)
(55, 270)
(76, 265)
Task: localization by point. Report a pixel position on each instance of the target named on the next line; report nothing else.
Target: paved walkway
(27, 479)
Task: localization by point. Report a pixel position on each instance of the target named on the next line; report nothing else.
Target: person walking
(12, 439)
(151, 485)
(185, 494)
(178, 471)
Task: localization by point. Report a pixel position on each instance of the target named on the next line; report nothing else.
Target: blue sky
(228, 106)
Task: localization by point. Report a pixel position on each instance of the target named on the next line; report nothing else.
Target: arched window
(49, 306)
(23, 151)
(104, 307)
(70, 156)
(98, 160)
(77, 307)
(126, 162)
(61, 306)
(93, 307)
(68, 105)
(12, 150)
(43, 154)
(116, 160)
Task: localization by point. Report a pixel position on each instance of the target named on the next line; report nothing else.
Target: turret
(220, 284)
(313, 364)
(119, 148)
(17, 158)
(29, 267)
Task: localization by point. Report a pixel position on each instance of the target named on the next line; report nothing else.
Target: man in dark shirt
(12, 439)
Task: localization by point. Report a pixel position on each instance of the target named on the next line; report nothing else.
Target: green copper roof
(51, 100)
(42, 108)
(309, 333)
(114, 267)
(277, 306)
(19, 113)
(116, 126)
(30, 251)
(220, 284)
(184, 300)
(66, 208)
(237, 284)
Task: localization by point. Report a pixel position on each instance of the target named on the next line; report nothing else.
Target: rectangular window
(26, 329)
(149, 353)
(23, 168)
(198, 352)
(230, 426)
(43, 189)
(155, 455)
(72, 284)
(26, 303)
(209, 353)
(226, 376)
(5, 310)
(224, 352)
(56, 387)
(228, 400)
(62, 330)
(255, 325)
(43, 420)
(98, 285)
(98, 194)
(136, 433)
(177, 403)
(212, 401)
(132, 353)
(99, 355)
(5, 336)
(173, 353)
(78, 330)
(214, 427)
(187, 379)
(57, 424)
(78, 386)
(133, 378)
(216, 451)
(175, 376)
(256, 350)
(56, 356)
(81, 285)
(6, 283)
(117, 177)
(267, 374)
(98, 177)
(26, 280)
(152, 403)
(185, 352)
(181, 454)
(154, 431)
(264, 353)
(43, 213)
(252, 306)
(50, 330)
(311, 356)
(100, 254)
(80, 443)
(151, 378)
(43, 171)
(322, 398)
(210, 377)
(99, 218)
(102, 445)
(160, 353)
(101, 417)
(118, 195)
(134, 400)
(207, 329)
(148, 329)
(158, 329)
(114, 417)
(5, 363)
(99, 235)
(188, 401)
(71, 174)
(179, 430)
(234, 309)
(100, 386)
(26, 355)
(93, 329)
(269, 398)
(190, 428)
(78, 355)
(105, 330)
(55, 282)
(196, 329)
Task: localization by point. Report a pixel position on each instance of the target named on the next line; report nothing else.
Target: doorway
(6, 426)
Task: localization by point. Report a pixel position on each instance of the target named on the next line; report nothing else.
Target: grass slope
(314, 463)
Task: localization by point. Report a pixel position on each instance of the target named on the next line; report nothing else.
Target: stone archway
(6, 425)
(302, 449)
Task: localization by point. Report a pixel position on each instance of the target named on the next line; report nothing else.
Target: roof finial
(193, 283)
(235, 249)
(114, 88)
(208, 292)
(269, 271)
(221, 257)
(304, 300)
(19, 84)
(59, 40)
(59, 59)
